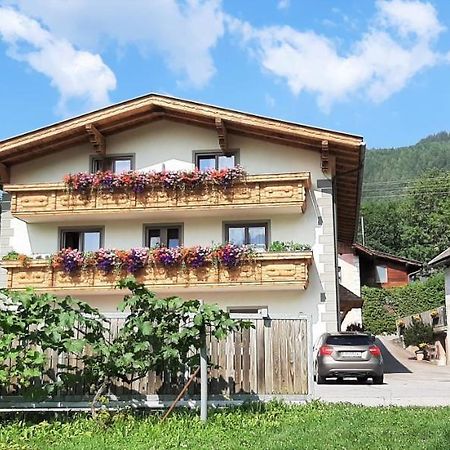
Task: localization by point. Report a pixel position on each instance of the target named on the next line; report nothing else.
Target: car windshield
(349, 340)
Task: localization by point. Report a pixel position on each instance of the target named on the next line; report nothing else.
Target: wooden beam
(325, 157)
(97, 139)
(4, 174)
(222, 134)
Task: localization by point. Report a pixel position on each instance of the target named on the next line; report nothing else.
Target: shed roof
(361, 249)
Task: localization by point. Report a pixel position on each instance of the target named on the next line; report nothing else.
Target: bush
(418, 333)
(382, 307)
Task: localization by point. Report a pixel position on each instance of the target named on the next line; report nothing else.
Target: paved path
(406, 382)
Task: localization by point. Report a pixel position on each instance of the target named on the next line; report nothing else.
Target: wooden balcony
(436, 317)
(44, 202)
(281, 270)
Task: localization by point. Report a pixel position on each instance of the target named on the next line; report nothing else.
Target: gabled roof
(361, 249)
(441, 259)
(348, 148)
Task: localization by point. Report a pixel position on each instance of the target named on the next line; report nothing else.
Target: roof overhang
(375, 254)
(347, 149)
(443, 259)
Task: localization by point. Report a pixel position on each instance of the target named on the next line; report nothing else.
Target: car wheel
(378, 380)
(320, 379)
(362, 379)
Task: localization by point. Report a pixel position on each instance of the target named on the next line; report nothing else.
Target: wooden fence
(273, 358)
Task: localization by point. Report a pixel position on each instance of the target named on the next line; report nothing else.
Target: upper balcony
(271, 270)
(45, 202)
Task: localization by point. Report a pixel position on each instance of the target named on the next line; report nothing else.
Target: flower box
(264, 270)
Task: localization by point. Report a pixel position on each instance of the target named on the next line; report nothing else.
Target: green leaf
(146, 328)
(198, 320)
(75, 345)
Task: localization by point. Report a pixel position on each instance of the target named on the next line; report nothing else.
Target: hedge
(382, 307)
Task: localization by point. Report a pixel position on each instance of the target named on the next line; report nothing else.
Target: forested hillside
(390, 171)
(406, 198)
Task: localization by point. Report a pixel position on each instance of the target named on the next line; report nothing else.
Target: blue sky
(377, 68)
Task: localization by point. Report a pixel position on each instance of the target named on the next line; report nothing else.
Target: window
(207, 161)
(356, 339)
(116, 164)
(165, 236)
(86, 240)
(254, 234)
(249, 311)
(381, 274)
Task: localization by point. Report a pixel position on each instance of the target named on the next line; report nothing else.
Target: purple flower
(69, 260)
(137, 259)
(168, 257)
(106, 260)
(231, 255)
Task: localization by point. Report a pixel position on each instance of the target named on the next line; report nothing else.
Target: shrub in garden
(32, 323)
(418, 333)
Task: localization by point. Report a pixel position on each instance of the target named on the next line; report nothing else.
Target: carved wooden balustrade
(289, 270)
(37, 202)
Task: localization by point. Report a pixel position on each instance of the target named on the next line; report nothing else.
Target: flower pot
(420, 356)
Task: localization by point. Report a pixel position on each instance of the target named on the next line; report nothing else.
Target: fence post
(203, 379)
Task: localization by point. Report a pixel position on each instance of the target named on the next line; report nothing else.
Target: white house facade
(302, 185)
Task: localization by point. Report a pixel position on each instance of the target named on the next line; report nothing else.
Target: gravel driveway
(406, 382)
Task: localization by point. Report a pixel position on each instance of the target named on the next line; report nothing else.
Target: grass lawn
(273, 426)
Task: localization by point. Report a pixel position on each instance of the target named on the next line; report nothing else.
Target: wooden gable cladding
(34, 201)
(347, 150)
(145, 109)
(289, 270)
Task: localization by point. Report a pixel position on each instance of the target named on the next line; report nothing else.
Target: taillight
(374, 350)
(325, 350)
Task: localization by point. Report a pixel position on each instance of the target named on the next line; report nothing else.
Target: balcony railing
(38, 202)
(437, 318)
(287, 270)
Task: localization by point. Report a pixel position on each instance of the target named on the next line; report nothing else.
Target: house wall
(397, 276)
(349, 277)
(164, 141)
(349, 272)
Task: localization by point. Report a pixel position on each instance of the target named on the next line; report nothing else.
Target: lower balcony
(267, 270)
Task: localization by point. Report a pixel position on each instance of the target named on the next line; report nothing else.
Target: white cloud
(395, 48)
(270, 101)
(74, 73)
(410, 18)
(182, 32)
(284, 4)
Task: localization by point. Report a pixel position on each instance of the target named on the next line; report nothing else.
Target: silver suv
(342, 355)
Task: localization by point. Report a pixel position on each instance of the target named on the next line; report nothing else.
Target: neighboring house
(443, 261)
(379, 269)
(304, 185)
(362, 266)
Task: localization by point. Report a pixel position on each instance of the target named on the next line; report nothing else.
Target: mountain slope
(390, 171)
